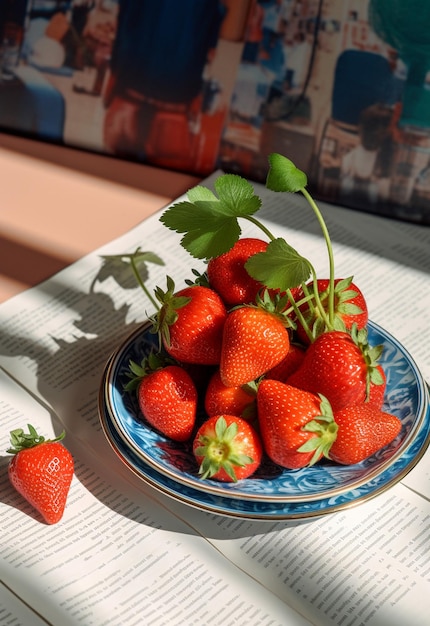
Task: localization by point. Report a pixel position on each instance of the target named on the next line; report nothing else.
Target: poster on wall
(138, 79)
(341, 87)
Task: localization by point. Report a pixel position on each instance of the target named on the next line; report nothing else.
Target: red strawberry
(191, 323)
(227, 448)
(288, 365)
(41, 471)
(362, 431)
(220, 399)
(167, 396)
(339, 366)
(228, 276)
(296, 426)
(349, 307)
(254, 341)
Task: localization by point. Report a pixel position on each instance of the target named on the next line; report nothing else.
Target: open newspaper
(124, 553)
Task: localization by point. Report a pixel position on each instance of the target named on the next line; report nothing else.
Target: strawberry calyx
(219, 451)
(167, 315)
(343, 297)
(200, 278)
(273, 303)
(343, 306)
(325, 429)
(371, 356)
(137, 371)
(23, 441)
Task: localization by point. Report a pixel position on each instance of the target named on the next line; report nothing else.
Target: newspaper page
(125, 551)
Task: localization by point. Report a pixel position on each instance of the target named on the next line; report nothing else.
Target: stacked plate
(273, 493)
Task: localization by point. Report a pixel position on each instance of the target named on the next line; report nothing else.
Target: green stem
(265, 230)
(296, 304)
(318, 302)
(295, 307)
(330, 254)
(310, 296)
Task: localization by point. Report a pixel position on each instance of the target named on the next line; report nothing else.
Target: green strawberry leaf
(202, 243)
(201, 194)
(283, 175)
(279, 267)
(237, 194)
(210, 223)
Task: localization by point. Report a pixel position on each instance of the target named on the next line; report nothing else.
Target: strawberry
(362, 431)
(297, 427)
(228, 276)
(255, 339)
(167, 396)
(227, 448)
(349, 308)
(41, 471)
(289, 363)
(340, 366)
(191, 323)
(238, 400)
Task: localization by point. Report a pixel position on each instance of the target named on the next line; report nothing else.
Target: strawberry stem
(320, 307)
(261, 226)
(326, 235)
(295, 306)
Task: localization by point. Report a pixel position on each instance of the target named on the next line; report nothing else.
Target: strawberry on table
(227, 448)
(341, 367)
(41, 471)
(167, 396)
(191, 323)
(228, 276)
(297, 427)
(362, 431)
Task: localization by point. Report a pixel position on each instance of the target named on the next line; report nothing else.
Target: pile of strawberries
(271, 379)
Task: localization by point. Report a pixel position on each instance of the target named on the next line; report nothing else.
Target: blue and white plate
(272, 492)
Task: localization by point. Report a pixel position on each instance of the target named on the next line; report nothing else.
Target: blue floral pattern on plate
(171, 467)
